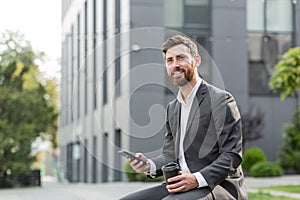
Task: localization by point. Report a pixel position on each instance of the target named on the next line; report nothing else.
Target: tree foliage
(27, 104)
(290, 152)
(286, 77)
(286, 81)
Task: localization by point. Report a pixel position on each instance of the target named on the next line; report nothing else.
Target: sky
(40, 22)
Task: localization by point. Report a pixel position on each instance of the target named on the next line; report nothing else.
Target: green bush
(265, 169)
(252, 156)
(130, 173)
(141, 177)
(289, 155)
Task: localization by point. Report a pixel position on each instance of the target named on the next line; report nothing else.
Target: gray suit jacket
(213, 140)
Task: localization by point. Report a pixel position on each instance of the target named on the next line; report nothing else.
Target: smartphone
(130, 155)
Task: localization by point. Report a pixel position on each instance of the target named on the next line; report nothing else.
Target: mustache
(178, 69)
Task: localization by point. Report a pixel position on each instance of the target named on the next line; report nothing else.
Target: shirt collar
(192, 93)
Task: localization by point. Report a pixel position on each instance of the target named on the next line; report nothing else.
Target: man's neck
(186, 89)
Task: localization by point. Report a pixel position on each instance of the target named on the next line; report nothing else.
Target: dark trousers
(161, 193)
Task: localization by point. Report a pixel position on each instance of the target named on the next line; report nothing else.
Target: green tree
(286, 77)
(290, 152)
(286, 81)
(27, 104)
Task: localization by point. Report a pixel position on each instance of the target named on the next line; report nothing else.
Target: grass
(265, 196)
(283, 188)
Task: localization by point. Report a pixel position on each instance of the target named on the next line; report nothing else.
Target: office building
(114, 87)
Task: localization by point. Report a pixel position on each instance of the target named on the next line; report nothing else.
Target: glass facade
(170, 8)
(104, 62)
(117, 48)
(269, 15)
(196, 13)
(118, 145)
(264, 51)
(78, 65)
(187, 13)
(72, 70)
(85, 58)
(95, 54)
(270, 29)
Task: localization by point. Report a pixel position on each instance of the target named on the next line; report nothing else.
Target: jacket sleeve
(227, 122)
(168, 152)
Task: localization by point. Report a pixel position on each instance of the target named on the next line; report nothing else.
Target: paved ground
(51, 190)
(253, 183)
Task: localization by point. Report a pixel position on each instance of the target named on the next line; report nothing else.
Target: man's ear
(197, 60)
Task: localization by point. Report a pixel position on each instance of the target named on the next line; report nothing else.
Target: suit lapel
(177, 113)
(196, 104)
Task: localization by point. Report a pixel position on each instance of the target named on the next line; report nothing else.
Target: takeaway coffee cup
(170, 170)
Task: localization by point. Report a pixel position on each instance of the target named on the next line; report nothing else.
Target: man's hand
(139, 166)
(185, 181)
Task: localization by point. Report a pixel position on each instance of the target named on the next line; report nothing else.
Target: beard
(188, 76)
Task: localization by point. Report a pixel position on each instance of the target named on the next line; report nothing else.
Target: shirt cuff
(152, 172)
(200, 179)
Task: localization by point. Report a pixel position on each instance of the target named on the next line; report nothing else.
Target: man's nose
(176, 62)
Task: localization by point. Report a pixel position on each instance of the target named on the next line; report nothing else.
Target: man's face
(180, 65)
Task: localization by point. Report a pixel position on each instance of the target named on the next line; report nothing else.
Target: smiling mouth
(177, 72)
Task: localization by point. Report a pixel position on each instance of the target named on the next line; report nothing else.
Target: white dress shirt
(185, 111)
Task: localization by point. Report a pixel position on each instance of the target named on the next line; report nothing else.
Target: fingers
(183, 183)
(176, 182)
(175, 179)
(136, 163)
(176, 187)
(139, 155)
(182, 188)
(139, 166)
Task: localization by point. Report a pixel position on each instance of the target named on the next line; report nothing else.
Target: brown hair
(179, 39)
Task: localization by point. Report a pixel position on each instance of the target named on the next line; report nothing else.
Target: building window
(118, 76)
(196, 13)
(187, 13)
(85, 58)
(85, 160)
(104, 89)
(104, 78)
(170, 8)
(117, 16)
(269, 25)
(95, 54)
(118, 143)
(72, 71)
(76, 156)
(104, 158)
(78, 66)
(63, 85)
(94, 164)
(269, 15)
(69, 162)
(67, 79)
(264, 51)
(117, 49)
